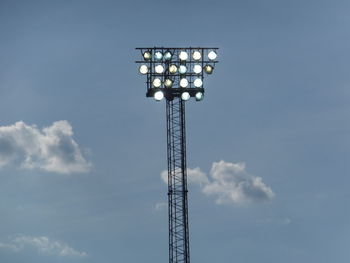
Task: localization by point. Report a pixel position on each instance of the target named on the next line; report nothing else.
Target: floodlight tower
(176, 74)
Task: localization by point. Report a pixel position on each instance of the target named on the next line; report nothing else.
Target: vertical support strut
(177, 182)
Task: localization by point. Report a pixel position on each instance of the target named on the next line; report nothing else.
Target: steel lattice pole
(177, 182)
(176, 74)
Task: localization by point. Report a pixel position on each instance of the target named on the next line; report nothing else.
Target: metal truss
(177, 182)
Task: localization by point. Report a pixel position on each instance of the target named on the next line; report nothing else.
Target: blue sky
(82, 148)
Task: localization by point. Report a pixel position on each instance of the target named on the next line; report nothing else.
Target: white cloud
(164, 176)
(42, 245)
(230, 184)
(161, 206)
(193, 176)
(9, 247)
(51, 149)
(197, 176)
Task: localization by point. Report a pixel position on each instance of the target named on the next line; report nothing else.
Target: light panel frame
(175, 91)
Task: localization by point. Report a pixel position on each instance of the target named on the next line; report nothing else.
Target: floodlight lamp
(159, 95)
(208, 69)
(159, 69)
(183, 55)
(173, 69)
(168, 55)
(182, 69)
(183, 83)
(199, 96)
(147, 55)
(157, 82)
(143, 69)
(196, 55)
(158, 55)
(168, 83)
(212, 55)
(185, 96)
(197, 69)
(198, 83)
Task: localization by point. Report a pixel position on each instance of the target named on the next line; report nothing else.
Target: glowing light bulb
(196, 55)
(158, 55)
(168, 55)
(168, 83)
(173, 69)
(212, 55)
(143, 69)
(157, 82)
(199, 96)
(198, 83)
(208, 69)
(183, 83)
(159, 95)
(197, 69)
(159, 69)
(147, 55)
(185, 96)
(183, 55)
(182, 69)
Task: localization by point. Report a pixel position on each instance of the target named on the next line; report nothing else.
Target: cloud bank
(51, 149)
(42, 245)
(229, 183)
(160, 206)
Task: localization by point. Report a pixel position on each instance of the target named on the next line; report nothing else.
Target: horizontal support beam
(170, 93)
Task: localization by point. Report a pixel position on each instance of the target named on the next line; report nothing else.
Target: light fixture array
(176, 72)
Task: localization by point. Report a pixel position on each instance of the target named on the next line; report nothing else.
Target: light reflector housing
(158, 55)
(199, 96)
(157, 82)
(208, 69)
(168, 83)
(159, 69)
(185, 96)
(159, 95)
(183, 55)
(147, 55)
(182, 69)
(196, 55)
(172, 69)
(198, 83)
(143, 69)
(168, 55)
(183, 83)
(197, 68)
(212, 55)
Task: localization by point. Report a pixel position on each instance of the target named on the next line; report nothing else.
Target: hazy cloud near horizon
(52, 148)
(42, 244)
(229, 183)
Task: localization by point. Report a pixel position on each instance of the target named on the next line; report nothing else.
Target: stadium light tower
(176, 75)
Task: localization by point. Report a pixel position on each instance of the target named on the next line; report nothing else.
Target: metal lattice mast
(176, 74)
(177, 182)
